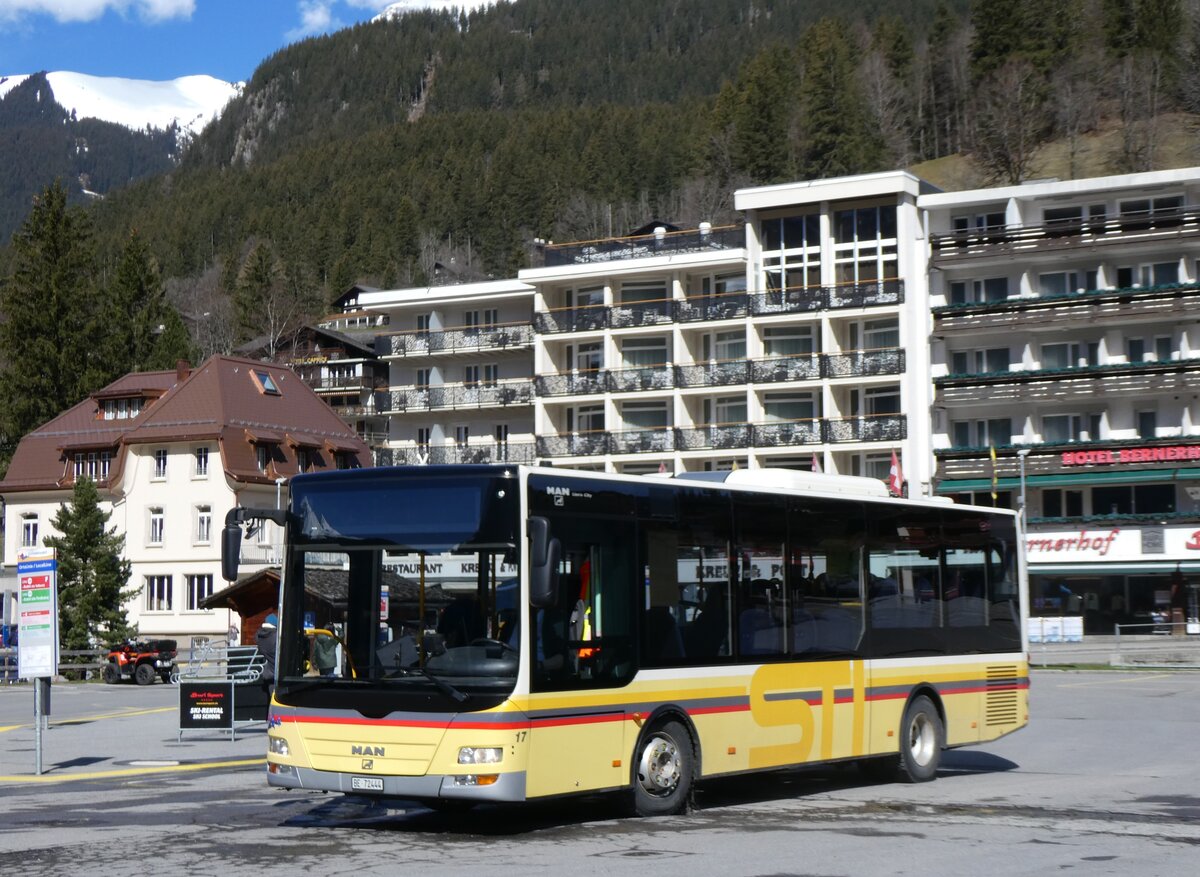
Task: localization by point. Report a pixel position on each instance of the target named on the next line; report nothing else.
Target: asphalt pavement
(96, 731)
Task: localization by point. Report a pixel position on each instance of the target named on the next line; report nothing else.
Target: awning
(300, 440)
(1061, 479)
(1131, 568)
(341, 445)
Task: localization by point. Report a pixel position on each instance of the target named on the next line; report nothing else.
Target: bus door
(583, 649)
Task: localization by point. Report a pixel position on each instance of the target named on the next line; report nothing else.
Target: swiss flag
(895, 480)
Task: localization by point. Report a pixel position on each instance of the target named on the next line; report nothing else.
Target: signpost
(37, 648)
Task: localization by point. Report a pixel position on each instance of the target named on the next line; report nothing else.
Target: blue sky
(166, 39)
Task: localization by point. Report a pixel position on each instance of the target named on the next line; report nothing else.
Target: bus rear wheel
(921, 741)
(663, 771)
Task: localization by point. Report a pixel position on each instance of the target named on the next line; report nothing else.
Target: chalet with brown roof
(171, 452)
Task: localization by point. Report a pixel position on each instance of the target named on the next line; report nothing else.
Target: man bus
(603, 632)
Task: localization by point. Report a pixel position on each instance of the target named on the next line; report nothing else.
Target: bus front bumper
(507, 787)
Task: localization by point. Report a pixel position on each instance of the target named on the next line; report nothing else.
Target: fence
(75, 663)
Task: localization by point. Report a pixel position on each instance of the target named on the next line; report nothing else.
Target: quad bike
(141, 661)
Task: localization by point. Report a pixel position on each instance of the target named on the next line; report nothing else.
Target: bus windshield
(400, 591)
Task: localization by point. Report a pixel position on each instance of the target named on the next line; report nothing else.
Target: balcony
(455, 396)
(796, 300)
(706, 308)
(863, 363)
(726, 436)
(1099, 381)
(867, 428)
(717, 437)
(489, 452)
(642, 441)
(655, 377)
(713, 374)
(514, 336)
(583, 383)
(787, 432)
(646, 246)
(641, 313)
(805, 367)
(335, 383)
(1011, 241)
(1135, 457)
(580, 444)
(1171, 301)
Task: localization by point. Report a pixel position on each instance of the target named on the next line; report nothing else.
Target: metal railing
(461, 340)
(646, 246)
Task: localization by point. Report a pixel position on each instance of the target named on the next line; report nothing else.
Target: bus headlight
(480, 755)
(277, 746)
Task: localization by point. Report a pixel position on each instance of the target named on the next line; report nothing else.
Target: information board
(37, 614)
(206, 704)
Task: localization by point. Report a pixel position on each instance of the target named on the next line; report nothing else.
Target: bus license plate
(366, 784)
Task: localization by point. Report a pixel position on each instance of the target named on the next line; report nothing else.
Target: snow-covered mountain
(402, 6)
(192, 101)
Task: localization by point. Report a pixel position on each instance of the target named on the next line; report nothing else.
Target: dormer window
(121, 409)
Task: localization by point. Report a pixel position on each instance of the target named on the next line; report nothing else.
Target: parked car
(141, 661)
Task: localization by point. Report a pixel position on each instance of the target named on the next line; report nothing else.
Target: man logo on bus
(367, 750)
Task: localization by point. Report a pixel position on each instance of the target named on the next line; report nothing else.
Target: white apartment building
(1066, 337)
(460, 372)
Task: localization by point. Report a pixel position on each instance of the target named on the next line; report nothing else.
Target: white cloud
(318, 16)
(89, 10)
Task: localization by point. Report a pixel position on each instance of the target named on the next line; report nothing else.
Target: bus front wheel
(665, 766)
(921, 741)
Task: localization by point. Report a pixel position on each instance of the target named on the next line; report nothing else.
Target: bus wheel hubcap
(658, 771)
(920, 739)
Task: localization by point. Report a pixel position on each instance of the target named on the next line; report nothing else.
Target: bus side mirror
(231, 551)
(544, 555)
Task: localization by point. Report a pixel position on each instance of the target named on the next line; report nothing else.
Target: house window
(875, 335)
(1063, 282)
(491, 374)
(424, 435)
(645, 415)
(1147, 424)
(981, 433)
(725, 346)
(881, 400)
(470, 376)
(587, 357)
(725, 410)
(29, 531)
(262, 456)
(865, 244)
(978, 221)
(158, 593)
(979, 362)
(199, 588)
(789, 406)
(1156, 274)
(1070, 427)
(157, 526)
(1076, 354)
(973, 291)
(203, 524)
(160, 464)
(1058, 503)
(788, 341)
(201, 464)
(644, 352)
(462, 435)
(585, 418)
(422, 378)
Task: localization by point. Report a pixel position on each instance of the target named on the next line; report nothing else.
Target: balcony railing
(734, 372)
(1118, 379)
(787, 432)
(641, 313)
(642, 441)
(726, 436)
(868, 428)
(1122, 228)
(493, 452)
(654, 377)
(462, 340)
(719, 306)
(716, 437)
(646, 246)
(786, 368)
(582, 383)
(663, 311)
(509, 392)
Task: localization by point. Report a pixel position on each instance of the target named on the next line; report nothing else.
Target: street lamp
(279, 482)
(1021, 455)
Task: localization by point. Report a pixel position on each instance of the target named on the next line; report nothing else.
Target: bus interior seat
(663, 640)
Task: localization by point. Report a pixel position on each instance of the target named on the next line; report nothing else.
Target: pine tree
(839, 137)
(92, 575)
(46, 349)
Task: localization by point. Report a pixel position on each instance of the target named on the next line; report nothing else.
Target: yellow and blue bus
(509, 633)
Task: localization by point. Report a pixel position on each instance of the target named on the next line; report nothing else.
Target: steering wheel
(485, 641)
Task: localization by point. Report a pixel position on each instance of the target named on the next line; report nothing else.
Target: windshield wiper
(442, 685)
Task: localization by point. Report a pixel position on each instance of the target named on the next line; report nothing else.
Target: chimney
(183, 368)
